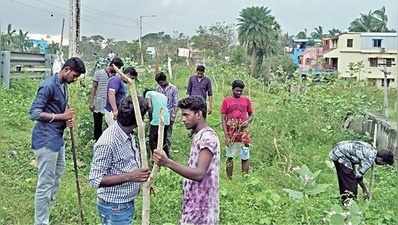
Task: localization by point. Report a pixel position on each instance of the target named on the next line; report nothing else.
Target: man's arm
(93, 94)
(112, 101)
(174, 104)
(210, 94)
(101, 163)
(36, 111)
(196, 174)
(189, 88)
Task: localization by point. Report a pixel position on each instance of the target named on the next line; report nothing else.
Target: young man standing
(115, 168)
(352, 159)
(201, 184)
(236, 115)
(154, 102)
(116, 91)
(52, 115)
(99, 94)
(200, 85)
(171, 92)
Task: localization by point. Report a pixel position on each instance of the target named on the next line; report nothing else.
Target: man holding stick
(201, 183)
(115, 169)
(352, 160)
(52, 116)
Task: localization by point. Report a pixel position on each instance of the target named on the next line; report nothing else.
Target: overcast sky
(118, 18)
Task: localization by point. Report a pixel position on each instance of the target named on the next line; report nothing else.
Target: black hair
(146, 90)
(194, 103)
(126, 115)
(200, 68)
(238, 83)
(118, 62)
(75, 64)
(387, 156)
(130, 71)
(160, 77)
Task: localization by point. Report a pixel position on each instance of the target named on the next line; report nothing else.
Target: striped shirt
(171, 93)
(115, 153)
(101, 77)
(356, 155)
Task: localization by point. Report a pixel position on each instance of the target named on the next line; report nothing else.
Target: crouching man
(352, 159)
(115, 169)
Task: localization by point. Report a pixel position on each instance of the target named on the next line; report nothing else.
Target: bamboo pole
(155, 168)
(142, 144)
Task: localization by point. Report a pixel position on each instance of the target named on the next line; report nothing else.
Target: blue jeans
(115, 213)
(51, 166)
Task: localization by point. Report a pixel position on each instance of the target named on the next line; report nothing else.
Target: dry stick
(372, 168)
(155, 168)
(74, 158)
(141, 138)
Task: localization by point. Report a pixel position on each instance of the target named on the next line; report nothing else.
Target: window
(350, 43)
(377, 43)
(390, 62)
(373, 62)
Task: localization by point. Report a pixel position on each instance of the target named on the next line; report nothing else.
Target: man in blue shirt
(52, 116)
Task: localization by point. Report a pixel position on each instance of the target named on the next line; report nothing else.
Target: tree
(259, 33)
(334, 32)
(317, 33)
(301, 35)
(374, 21)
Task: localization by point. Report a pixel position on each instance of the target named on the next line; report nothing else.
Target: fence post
(5, 57)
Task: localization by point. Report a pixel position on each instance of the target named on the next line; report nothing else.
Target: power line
(87, 18)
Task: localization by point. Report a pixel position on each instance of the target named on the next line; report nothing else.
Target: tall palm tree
(258, 32)
(334, 32)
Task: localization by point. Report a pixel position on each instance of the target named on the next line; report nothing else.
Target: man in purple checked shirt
(200, 85)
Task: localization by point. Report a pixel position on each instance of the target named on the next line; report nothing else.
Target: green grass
(289, 130)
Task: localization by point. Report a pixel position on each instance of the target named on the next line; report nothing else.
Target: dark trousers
(97, 124)
(153, 139)
(348, 184)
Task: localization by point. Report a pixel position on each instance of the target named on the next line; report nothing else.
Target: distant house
(368, 49)
(296, 52)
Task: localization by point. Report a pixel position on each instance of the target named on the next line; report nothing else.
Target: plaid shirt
(115, 153)
(352, 153)
(171, 93)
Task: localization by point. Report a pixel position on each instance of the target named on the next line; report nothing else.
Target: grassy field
(289, 130)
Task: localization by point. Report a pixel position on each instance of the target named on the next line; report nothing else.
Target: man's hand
(366, 195)
(138, 175)
(92, 107)
(69, 114)
(160, 157)
(70, 123)
(115, 114)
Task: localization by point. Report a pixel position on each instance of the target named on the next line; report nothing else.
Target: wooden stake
(155, 168)
(141, 138)
(372, 168)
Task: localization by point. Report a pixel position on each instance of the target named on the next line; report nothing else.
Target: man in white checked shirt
(115, 169)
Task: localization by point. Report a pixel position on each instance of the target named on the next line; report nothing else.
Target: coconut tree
(317, 33)
(373, 21)
(258, 32)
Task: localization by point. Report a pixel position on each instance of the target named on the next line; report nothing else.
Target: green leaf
(337, 219)
(317, 189)
(295, 195)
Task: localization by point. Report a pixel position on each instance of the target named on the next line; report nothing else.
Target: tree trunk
(254, 62)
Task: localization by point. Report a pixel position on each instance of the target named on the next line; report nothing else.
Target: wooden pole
(75, 168)
(372, 168)
(141, 138)
(155, 168)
